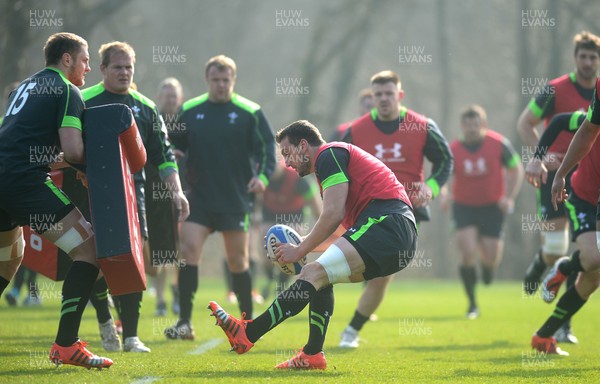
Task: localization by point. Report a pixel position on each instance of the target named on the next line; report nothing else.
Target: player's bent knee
(335, 265)
(75, 236)
(556, 243)
(13, 251)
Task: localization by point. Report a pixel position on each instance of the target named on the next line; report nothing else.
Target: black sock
(321, 309)
(242, 286)
(487, 274)
(188, 284)
(572, 266)
(469, 278)
(571, 279)
(358, 320)
(3, 284)
(228, 277)
(567, 306)
(76, 291)
(129, 312)
(287, 304)
(99, 299)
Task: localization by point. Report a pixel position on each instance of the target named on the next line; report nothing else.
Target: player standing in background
(487, 177)
(365, 105)
(584, 213)
(363, 195)
(402, 139)
(118, 67)
(45, 111)
(231, 156)
(568, 93)
(161, 213)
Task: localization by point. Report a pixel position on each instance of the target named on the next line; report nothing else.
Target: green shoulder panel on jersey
(576, 120)
(142, 99)
(93, 91)
(244, 103)
(191, 103)
(62, 75)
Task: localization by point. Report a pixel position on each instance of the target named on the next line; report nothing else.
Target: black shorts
(140, 200)
(544, 199)
(161, 216)
(386, 242)
(216, 221)
(488, 219)
(40, 206)
(581, 214)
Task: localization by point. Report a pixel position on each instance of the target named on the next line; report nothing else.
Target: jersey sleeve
(264, 148)
(438, 152)
(71, 113)
(593, 114)
(158, 147)
(559, 123)
(542, 105)
(510, 157)
(179, 136)
(347, 136)
(331, 167)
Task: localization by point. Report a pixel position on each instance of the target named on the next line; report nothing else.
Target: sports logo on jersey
(200, 116)
(232, 116)
(384, 153)
(475, 168)
(136, 111)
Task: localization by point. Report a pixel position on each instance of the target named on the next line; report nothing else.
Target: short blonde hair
(384, 77)
(107, 50)
(222, 62)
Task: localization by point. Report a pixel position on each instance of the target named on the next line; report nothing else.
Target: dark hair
(298, 130)
(586, 40)
(59, 44)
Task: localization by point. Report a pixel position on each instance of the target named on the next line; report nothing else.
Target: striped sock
(567, 306)
(99, 299)
(321, 309)
(76, 291)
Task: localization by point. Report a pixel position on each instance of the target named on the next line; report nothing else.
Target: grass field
(421, 336)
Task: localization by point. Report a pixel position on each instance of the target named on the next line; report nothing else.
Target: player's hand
(178, 154)
(256, 185)
(182, 205)
(60, 162)
(507, 205)
(421, 196)
(81, 177)
(287, 253)
(552, 160)
(559, 193)
(536, 172)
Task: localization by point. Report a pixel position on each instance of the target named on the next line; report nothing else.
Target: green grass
(421, 336)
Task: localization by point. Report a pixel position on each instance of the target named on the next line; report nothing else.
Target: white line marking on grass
(146, 380)
(203, 348)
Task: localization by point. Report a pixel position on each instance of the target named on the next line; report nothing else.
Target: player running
(44, 115)
(583, 205)
(363, 195)
(487, 178)
(402, 139)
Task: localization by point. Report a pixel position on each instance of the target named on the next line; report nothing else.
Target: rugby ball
(280, 233)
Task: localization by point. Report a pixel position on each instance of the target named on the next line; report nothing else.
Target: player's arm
(537, 109)
(580, 146)
(437, 151)
(70, 132)
(179, 137)
(514, 176)
(536, 172)
(347, 136)
(264, 154)
(161, 156)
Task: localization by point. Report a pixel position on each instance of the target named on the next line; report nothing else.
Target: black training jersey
(227, 145)
(149, 122)
(29, 140)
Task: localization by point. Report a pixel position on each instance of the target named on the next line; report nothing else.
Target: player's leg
(11, 254)
(74, 235)
(490, 222)
(588, 263)
(238, 262)
(192, 237)
(106, 324)
(467, 242)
